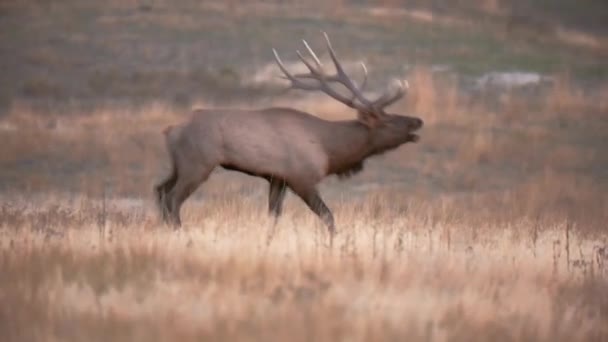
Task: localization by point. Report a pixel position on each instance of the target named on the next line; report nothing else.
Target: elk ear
(368, 119)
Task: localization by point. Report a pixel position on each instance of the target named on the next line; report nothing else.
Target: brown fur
(289, 148)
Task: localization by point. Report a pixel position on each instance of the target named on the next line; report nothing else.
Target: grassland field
(493, 227)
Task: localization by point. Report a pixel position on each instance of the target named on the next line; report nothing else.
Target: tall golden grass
(400, 269)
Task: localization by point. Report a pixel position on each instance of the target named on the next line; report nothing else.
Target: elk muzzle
(414, 125)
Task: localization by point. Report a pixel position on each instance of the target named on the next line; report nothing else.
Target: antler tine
(312, 53)
(388, 99)
(343, 77)
(314, 74)
(333, 78)
(295, 83)
(364, 83)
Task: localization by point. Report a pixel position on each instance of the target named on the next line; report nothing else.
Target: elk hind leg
(186, 184)
(161, 191)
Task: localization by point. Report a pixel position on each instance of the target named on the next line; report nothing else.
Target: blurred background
(132, 52)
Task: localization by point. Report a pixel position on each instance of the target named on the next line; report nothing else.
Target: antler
(357, 101)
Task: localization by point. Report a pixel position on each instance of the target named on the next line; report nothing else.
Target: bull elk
(287, 147)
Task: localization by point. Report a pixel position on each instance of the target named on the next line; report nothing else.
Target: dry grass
(491, 228)
(399, 270)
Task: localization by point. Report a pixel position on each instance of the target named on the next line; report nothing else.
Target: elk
(289, 148)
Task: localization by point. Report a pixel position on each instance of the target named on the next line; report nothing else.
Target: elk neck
(347, 143)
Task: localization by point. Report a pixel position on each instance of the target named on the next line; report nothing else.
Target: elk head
(386, 130)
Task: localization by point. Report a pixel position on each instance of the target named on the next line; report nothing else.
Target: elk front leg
(311, 197)
(276, 195)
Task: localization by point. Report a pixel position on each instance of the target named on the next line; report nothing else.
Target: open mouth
(413, 137)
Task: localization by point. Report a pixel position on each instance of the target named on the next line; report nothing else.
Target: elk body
(289, 148)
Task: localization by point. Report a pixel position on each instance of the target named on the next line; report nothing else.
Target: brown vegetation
(405, 269)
